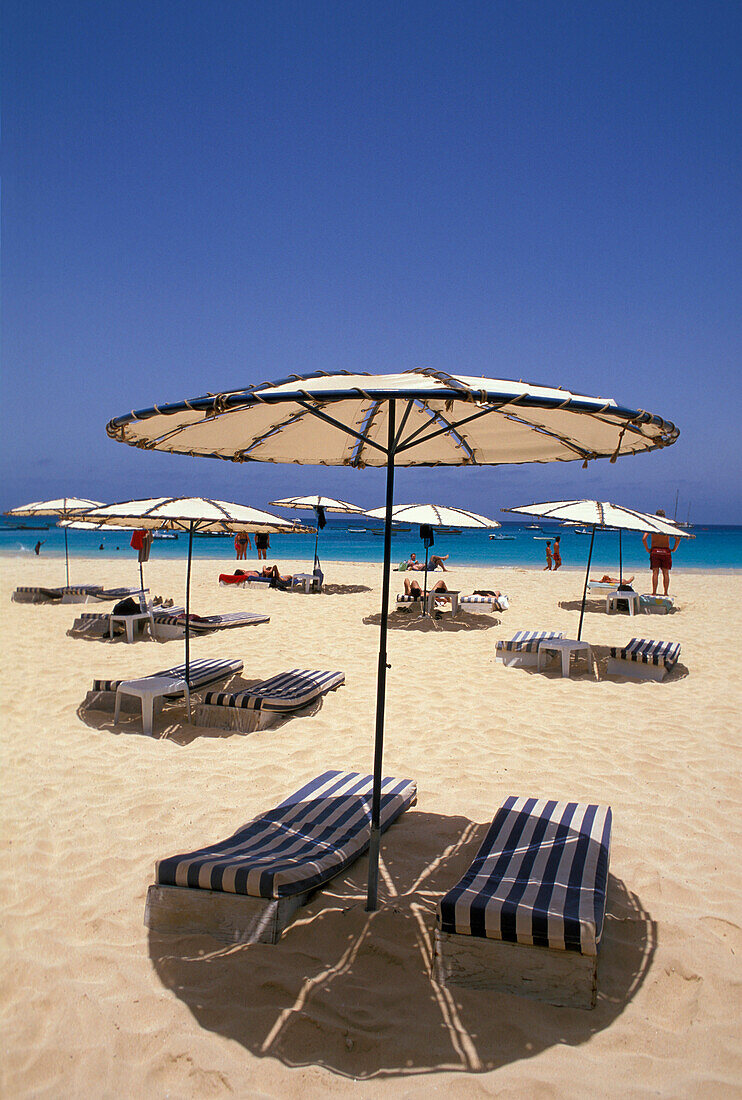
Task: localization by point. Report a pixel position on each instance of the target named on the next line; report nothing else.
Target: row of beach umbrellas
(423, 417)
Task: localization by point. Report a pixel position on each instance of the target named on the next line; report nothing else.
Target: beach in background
(94, 1005)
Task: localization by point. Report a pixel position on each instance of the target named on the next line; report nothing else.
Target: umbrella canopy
(63, 507)
(319, 505)
(603, 514)
(421, 417)
(433, 515)
(189, 514)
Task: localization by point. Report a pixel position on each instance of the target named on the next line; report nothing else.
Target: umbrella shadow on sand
(171, 722)
(344, 589)
(351, 991)
(440, 621)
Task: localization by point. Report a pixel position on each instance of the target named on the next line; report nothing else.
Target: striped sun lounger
(169, 622)
(484, 603)
(259, 706)
(245, 889)
(202, 673)
(527, 917)
(74, 593)
(522, 648)
(643, 659)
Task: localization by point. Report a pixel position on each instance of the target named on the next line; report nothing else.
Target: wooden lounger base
(236, 718)
(229, 918)
(635, 670)
(563, 978)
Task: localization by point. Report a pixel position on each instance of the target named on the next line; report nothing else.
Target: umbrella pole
(620, 557)
(584, 590)
(188, 612)
(66, 557)
(374, 844)
(425, 579)
(316, 542)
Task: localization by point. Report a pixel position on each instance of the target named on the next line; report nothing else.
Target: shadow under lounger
(527, 917)
(259, 706)
(245, 889)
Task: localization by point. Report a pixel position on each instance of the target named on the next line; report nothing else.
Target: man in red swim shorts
(660, 556)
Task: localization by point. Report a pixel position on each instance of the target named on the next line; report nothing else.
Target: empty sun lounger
(656, 605)
(643, 659)
(479, 603)
(169, 622)
(527, 917)
(259, 706)
(522, 648)
(115, 593)
(74, 593)
(245, 889)
(169, 684)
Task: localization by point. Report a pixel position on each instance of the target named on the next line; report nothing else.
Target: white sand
(93, 1006)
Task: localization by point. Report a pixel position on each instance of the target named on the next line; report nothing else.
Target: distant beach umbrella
(433, 515)
(423, 417)
(189, 514)
(319, 505)
(63, 508)
(601, 514)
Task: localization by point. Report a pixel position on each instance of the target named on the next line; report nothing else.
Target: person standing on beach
(262, 545)
(37, 548)
(660, 555)
(556, 552)
(548, 556)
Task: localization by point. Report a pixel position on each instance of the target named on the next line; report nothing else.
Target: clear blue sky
(201, 195)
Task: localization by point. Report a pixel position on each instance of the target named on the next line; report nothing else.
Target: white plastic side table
(449, 594)
(149, 689)
(565, 647)
(631, 597)
(129, 621)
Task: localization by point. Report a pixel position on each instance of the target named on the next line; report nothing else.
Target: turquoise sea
(714, 547)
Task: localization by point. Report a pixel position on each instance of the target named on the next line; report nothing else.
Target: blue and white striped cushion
(648, 652)
(539, 878)
(287, 691)
(409, 599)
(58, 593)
(175, 616)
(202, 672)
(526, 641)
(307, 840)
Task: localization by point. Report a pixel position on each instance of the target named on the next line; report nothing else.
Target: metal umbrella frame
(190, 514)
(422, 417)
(319, 505)
(606, 516)
(434, 515)
(63, 508)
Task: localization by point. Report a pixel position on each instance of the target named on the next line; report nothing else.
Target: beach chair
(170, 622)
(487, 604)
(643, 659)
(245, 889)
(656, 605)
(527, 916)
(133, 624)
(522, 648)
(106, 594)
(170, 683)
(74, 593)
(259, 706)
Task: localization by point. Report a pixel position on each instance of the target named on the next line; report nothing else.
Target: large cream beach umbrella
(433, 515)
(417, 418)
(600, 514)
(189, 514)
(62, 508)
(319, 505)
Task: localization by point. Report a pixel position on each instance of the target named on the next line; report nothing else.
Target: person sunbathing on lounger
(412, 588)
(605, 579)
(435, 562)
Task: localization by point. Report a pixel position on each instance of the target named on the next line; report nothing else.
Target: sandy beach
(93, 1005)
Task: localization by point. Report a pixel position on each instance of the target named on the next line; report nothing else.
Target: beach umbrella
(601, 514)
(433, 515)
(189, 514)
(319, 505)
(422, 417)
(62, 508)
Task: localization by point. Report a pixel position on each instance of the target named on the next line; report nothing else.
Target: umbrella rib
(405, 417)
(412, 439)
(363, 436)
(342, 427)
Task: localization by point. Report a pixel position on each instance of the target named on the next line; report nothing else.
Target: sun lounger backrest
(540, 877)
(287, 691)
(527, 641)
(202, 672)
(648, 652)
(307, 840)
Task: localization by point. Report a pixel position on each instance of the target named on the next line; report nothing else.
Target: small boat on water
(503, 538)
(23, 527)
(357, 530)
(533, 527)
(164, 534)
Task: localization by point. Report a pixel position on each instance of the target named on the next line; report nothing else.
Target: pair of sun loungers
(640, 659)
(247, 710)
(526, 917)
(476, 602)
(163, 623)
(299, 582)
